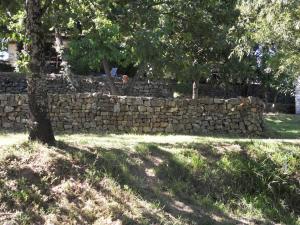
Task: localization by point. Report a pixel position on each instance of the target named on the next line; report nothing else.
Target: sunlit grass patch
(7, 138)
(283, 126)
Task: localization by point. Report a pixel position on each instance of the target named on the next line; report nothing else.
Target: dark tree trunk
(265, 98)
(40, 128)
(196, 89)
(129, 88)
(245, 88)
(110, 81)
(266, 95)
(275, 98)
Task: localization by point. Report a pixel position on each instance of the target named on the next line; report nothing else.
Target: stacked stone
(59, 84)
(13, 86)
(13, 111)
(154, 89)
(97, 112)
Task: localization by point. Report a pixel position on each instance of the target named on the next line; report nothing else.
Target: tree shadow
(120, 165)
(157, 176)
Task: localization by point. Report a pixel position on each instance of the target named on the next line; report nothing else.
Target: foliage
(86, 53)
(271, 24)
(186, 40)
(196, 41)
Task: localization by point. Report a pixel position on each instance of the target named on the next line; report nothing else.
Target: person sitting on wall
(125, 79)
(113, 72)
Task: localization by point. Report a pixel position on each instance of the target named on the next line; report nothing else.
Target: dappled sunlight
(180, 206)
(224, 148)
(283, 126)
(7, 139)
(90, 182)
(144, 179)
(67, 177)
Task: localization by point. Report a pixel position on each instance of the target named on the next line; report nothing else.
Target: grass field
(143, 179)
(283, 126)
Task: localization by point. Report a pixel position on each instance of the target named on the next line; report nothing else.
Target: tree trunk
(266, 95)
(40, 128)
(196, 89)
(65, 66)
(129, 89)
(265, 98)
(275, 102)
(113, 89)
(245, 88)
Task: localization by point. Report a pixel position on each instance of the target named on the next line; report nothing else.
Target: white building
(9, 54)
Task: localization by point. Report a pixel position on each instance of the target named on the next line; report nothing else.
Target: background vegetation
(185, 40)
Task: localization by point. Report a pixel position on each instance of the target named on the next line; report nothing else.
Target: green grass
(144, 179)
(141, 179)
(283, 126)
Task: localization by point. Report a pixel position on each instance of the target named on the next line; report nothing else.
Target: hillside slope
(131, 179)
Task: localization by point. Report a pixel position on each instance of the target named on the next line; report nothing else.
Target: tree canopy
(182, 39)
(273, 26)
(244, 41)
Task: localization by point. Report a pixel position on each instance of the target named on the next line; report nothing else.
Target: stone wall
(234, 90)
(14, 83)
(97, 112)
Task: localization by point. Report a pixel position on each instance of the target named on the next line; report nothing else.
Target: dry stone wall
(13, 83)
(97, 112)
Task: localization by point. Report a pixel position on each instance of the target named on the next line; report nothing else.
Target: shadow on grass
(272, 130)
(176, 186)
(121, 166)
(186, 185)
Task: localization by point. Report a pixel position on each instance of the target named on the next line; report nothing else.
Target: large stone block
(8, 109)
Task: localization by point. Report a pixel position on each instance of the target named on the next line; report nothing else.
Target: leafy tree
(114, 35)
(180, 39)
(195, 38)
(275, 26)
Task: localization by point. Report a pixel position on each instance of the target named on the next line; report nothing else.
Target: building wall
(103, 113)
(13, 53)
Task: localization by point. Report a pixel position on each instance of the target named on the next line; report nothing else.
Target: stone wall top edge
(53, 76)
(201, 99)
(12, 75)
